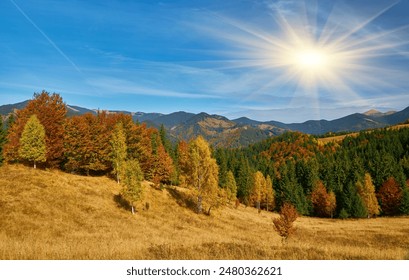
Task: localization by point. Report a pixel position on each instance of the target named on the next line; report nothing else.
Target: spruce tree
(32, 141)
(404, 203)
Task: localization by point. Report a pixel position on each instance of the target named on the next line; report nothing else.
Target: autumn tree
(268, 194)
(51, 112)
(2, 138)
(118, 151)
(259, 183)
(87, 143)
(140, 147)
(322, 201)
(284, 225)
(203, 174)
(332, 205)
(162, 166)
(132, 183)
(32, 142)
(389, 196)
(366, 191)
(231, 186)
(183, 162)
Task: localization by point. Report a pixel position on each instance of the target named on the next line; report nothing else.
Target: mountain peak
(372, 112)
(376, 113)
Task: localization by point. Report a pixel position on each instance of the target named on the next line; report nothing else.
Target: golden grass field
(54, 215)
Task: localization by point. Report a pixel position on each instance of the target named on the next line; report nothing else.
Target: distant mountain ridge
(220, 131)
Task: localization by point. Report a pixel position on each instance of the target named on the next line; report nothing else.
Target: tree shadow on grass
(122, 202)
(183, 199)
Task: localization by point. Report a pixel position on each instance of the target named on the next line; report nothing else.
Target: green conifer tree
(404, 204)
(32, 141)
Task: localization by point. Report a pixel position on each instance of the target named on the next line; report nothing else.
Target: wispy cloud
(114, 86)
(45, 36)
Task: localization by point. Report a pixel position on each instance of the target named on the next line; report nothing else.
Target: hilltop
(48, 214)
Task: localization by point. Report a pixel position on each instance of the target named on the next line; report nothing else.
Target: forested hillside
(366, 173)
(361, 176)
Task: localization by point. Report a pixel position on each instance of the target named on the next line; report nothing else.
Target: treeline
(83, 144)
(362, 176)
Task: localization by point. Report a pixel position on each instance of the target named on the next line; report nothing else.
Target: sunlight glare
(311, 59)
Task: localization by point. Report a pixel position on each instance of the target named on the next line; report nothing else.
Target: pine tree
(166, 142)
(32, 141)
(404, 204)
(244, 181)
(132, 181)
(118, 151)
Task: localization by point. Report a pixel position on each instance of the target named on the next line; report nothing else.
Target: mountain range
(220, 131)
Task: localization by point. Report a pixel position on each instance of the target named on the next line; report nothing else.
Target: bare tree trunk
(199, 204)
(35, 166)
(133, 210)
(117, 173)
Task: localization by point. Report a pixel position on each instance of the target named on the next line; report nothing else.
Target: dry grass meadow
(54, 215)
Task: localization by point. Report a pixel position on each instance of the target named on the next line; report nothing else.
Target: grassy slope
(339, 138)
(54, 215)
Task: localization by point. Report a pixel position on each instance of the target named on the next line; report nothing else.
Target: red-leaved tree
(389, 196)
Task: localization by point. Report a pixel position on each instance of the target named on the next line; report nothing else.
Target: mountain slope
(220, 131)
(54, 215)
(354, 122)
(8, 108)
(71, 110)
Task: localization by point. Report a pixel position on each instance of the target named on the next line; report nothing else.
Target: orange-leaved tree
(51, 112)
(324, 203)
(284, 225)
(389, 196)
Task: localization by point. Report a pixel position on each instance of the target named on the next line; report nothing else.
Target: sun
(306, 54)
(311, 59)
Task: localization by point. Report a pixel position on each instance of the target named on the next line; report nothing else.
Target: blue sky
(281, 60)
